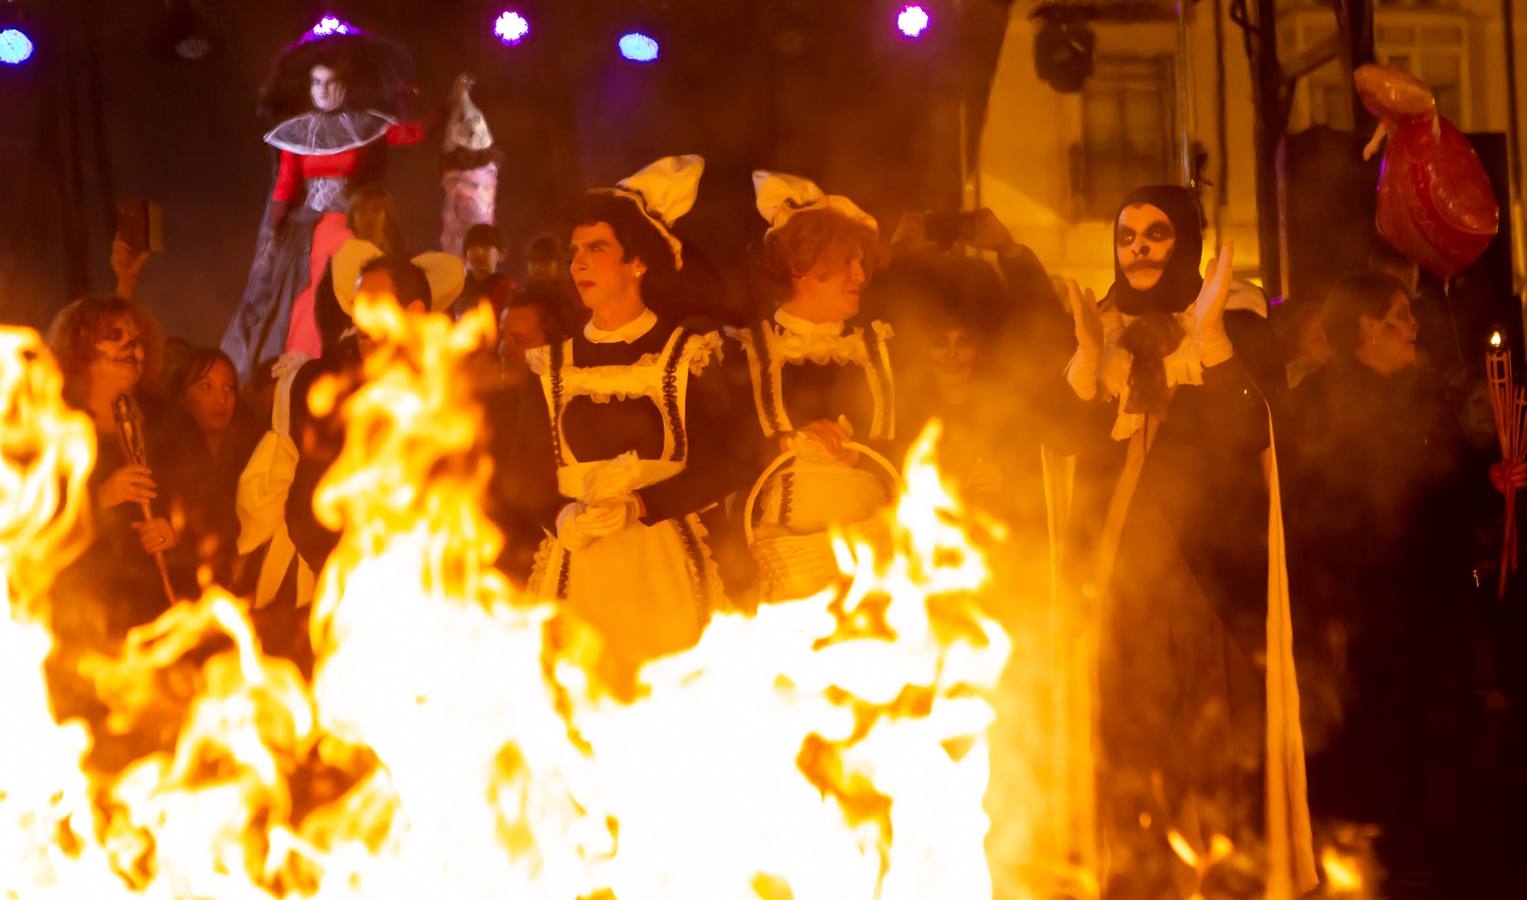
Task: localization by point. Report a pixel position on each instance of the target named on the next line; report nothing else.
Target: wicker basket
(798, 565)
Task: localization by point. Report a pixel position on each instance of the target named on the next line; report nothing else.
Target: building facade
(1055, 165)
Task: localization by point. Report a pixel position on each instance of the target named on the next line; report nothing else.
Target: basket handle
(789, 455)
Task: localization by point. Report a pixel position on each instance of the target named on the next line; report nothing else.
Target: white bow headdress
(781, 196)
(664, 191)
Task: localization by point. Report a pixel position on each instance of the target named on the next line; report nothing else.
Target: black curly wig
(638, 238)
(377, 74)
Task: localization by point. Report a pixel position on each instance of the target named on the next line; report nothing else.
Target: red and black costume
(323, 156)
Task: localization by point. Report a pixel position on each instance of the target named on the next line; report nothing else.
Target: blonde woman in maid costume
(636, 404)
(819, 378)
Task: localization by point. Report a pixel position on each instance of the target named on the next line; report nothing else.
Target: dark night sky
(820, 87)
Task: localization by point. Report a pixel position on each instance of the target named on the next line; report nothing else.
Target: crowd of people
(655, 465)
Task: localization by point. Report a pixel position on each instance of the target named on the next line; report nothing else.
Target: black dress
(113, 586)
(646, 418)
(1179, 564)
(1382, 498)
(797, 373)
(202, 503)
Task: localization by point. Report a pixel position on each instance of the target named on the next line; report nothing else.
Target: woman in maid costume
(819, 378)
(636, 405)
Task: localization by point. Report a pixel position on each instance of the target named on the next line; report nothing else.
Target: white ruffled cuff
(1082, 374)
(702, 349)
(1215, 348)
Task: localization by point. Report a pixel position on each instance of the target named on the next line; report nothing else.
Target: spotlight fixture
(638, 47)
(913, 20)
(511, 27)
(15, 47)
(1063, 45)
(328, 26)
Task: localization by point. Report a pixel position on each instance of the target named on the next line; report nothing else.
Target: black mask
(1180, 282)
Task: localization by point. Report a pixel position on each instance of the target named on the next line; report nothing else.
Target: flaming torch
(1509, 404)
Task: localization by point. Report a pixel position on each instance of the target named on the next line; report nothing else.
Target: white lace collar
(326, 133)
(798, 325)
(625, 334)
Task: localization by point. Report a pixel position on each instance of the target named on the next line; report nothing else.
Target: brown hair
(812, 238)
(77, 329)
(1365, 294)
(392, 230)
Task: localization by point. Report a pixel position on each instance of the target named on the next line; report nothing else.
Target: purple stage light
(15, 47)
(511, 27)
(638, 47)
(328, 26)
(913, 20)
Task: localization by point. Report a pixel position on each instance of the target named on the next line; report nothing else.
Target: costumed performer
(637, 406)
(338, 100)
(1177, 496)
(471, 161)
(818, 378)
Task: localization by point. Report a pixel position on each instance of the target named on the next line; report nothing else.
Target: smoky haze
(107, 110)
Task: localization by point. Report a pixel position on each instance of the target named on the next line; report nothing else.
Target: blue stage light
(511, 27)
(913, 20)
(15, 47)
(638, 47)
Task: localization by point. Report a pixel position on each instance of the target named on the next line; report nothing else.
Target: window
(1126, 132)
(1433, 46)
(1433, 49)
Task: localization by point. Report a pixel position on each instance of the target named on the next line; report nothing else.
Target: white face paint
(119, 354)
(1144, 244)
(327, 90)
(953, 352)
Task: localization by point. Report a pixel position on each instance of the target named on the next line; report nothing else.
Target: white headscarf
(664, 191)
(781, 196)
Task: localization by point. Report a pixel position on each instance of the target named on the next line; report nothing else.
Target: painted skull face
(119, 353)
(327, 90)
(1144, 244)
(953, 353)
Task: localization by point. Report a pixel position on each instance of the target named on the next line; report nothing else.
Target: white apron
(647, 589)
(809, 496)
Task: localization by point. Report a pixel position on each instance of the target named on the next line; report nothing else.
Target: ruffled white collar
(327, 133)
(793, 323)
(625, 334)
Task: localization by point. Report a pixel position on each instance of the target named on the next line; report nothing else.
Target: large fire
(833, 748)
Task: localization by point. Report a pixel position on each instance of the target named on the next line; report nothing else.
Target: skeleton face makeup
(953, 352)
(1389, 344)
(1145, 242)
(119, 354)
(327, 90)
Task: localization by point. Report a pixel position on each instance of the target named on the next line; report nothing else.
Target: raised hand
(1084, 315)
(1209, 308)
(126, 267)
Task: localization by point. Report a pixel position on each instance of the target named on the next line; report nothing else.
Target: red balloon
(1435, 204)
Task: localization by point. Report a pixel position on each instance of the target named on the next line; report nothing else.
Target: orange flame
(832, 747)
